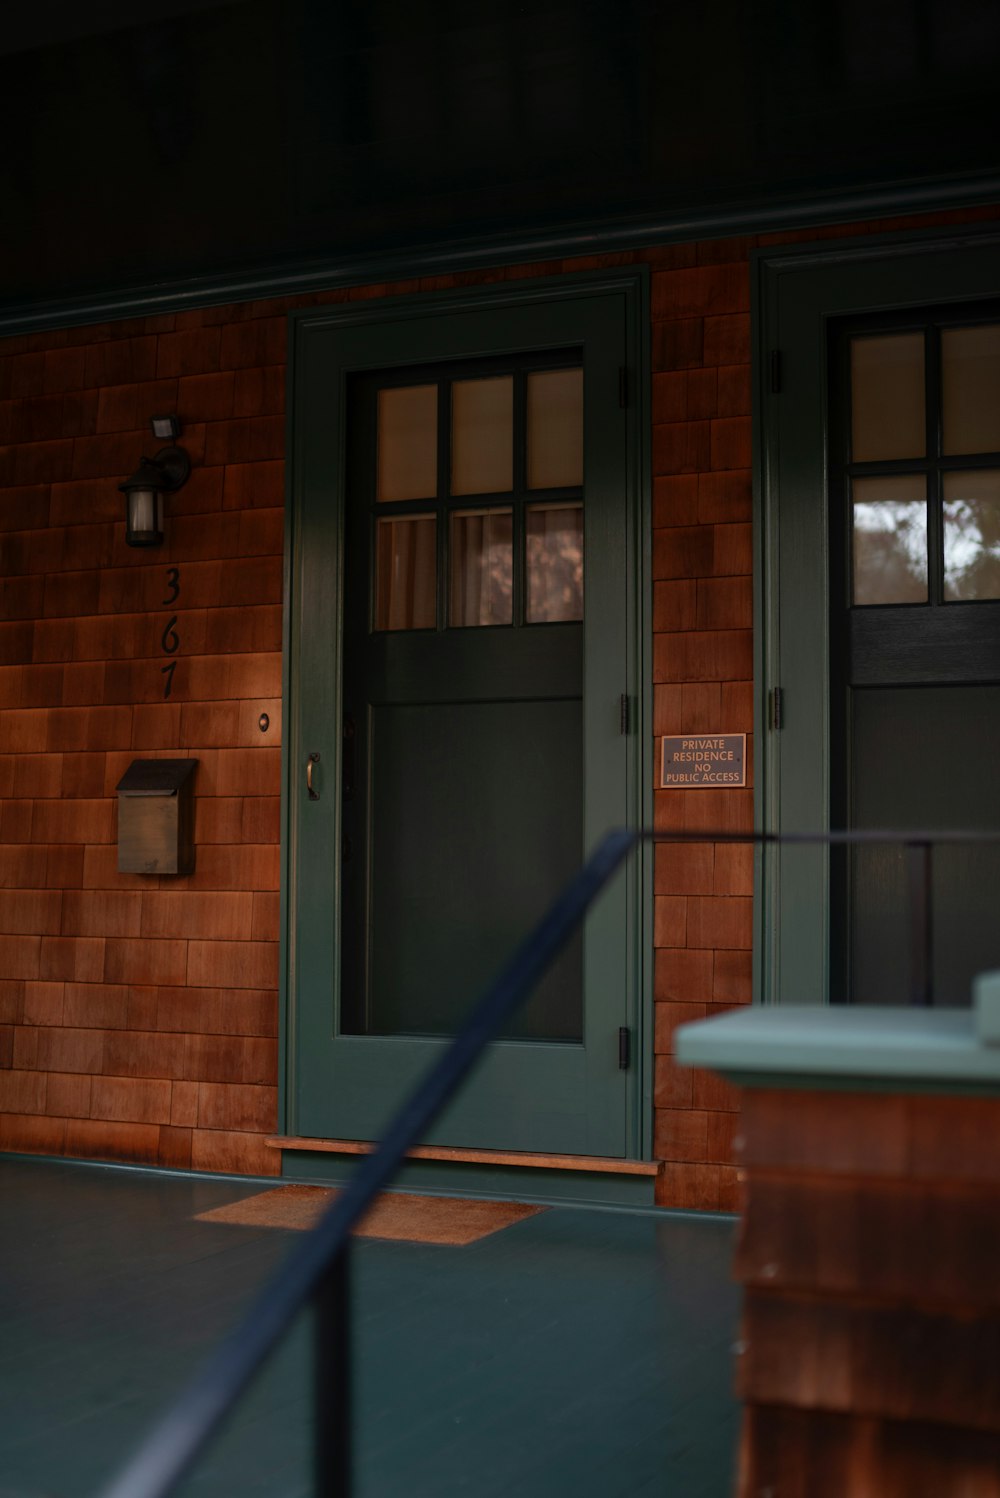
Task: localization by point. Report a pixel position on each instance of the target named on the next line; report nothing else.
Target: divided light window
(478, 497)
(923, 463)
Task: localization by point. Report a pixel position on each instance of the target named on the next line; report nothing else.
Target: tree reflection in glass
(554, 537)
(481, 567)
(889, 540)
(972, 535)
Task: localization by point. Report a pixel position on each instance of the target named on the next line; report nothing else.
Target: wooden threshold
(474, 1157)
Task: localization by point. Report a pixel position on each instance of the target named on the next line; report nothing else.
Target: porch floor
(578, 1352)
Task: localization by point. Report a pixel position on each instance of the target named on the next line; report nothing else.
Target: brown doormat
(395, 1214)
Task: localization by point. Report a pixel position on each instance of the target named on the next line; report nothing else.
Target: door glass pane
(887, 397)
(482, 556)
(407, 443)
(972, 535)
(555, 429)
(482, 437)
(554, 536)
(970, 380)
(889, 539)
(406, 572)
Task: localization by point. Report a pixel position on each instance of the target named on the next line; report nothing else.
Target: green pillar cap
(986, 1003)
(853, 1046)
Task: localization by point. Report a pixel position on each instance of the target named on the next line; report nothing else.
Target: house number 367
(170, 639)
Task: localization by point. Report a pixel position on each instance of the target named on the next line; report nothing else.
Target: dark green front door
(461, 640)
(915, 640)
(880, 626)
(463, 689)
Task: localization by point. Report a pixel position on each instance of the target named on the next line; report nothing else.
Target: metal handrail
(318, 1268)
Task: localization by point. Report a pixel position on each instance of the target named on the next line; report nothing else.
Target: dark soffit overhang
(208, 151)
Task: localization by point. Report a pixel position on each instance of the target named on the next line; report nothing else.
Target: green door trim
(795, 293)
(372, 322)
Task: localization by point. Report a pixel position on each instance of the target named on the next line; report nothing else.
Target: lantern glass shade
(144, 492)
(144, 517)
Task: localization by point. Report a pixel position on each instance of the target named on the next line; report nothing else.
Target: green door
(463, 546)
(880, 624)
(915, 639)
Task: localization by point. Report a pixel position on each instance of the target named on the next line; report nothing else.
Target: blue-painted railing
(317, 1271)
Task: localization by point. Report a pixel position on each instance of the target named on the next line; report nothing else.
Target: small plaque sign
(704, 759)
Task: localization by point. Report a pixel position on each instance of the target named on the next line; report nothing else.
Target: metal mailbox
(155, 817)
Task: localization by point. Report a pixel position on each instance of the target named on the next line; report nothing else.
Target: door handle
(312, 760)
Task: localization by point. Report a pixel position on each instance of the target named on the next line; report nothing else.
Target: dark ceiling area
(210, 139)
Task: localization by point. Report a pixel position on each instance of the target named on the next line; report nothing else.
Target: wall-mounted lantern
(154, 478)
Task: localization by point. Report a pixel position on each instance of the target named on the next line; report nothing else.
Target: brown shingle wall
(702, 569)
(138, 1016)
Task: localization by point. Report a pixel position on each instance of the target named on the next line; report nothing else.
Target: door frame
(796, 292)
(631, 286)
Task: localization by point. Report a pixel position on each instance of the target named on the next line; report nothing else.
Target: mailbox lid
(155, 777)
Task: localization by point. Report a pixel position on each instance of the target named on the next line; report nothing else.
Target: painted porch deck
(577, 1352)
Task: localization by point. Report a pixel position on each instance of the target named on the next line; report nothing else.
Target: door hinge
(775, 708)
(776, 371)
(623, 713)
(623, 387)
(624, 1048)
